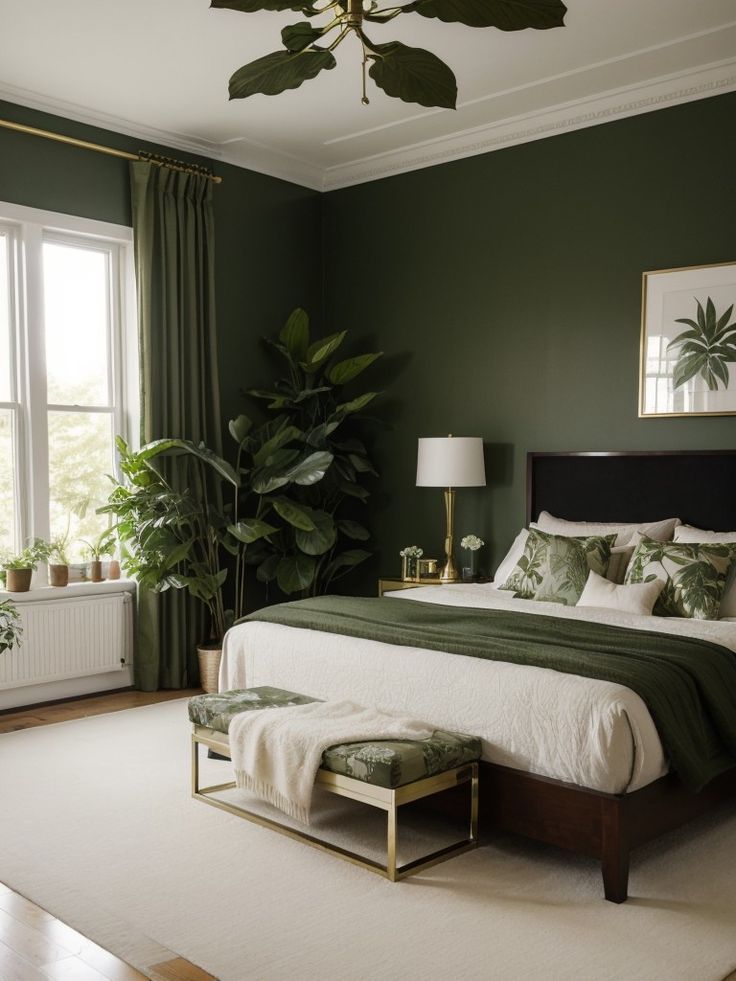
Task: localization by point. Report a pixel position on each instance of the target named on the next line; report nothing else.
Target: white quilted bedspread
(591, 733)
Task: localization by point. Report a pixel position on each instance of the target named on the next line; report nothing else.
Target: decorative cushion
(690, 534)
(694, 576)
(660, 531)
(637, 597)
(554, 568)
(217, 711)
(385, 764)
(393, 764)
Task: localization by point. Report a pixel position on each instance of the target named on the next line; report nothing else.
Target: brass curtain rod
(112, 152)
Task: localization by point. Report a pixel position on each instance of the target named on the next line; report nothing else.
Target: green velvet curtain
(173, 228)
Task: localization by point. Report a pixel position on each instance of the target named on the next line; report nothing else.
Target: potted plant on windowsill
(59, 562)
(104, 544)
(11, 628)
(18, 569)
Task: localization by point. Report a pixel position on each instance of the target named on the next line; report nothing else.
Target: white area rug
(97, 825)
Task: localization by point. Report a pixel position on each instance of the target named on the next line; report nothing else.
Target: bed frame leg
(614, 851)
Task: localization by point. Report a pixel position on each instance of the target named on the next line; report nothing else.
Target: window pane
(77, 324)
(7, 480)
(6, 394)
(80, 456)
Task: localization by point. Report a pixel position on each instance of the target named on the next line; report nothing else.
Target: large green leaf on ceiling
(278, 71)
(412, 75)
(297, 37)
(506, 15)
(251, 6)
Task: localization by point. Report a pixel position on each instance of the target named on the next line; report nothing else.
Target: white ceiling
(159, 69)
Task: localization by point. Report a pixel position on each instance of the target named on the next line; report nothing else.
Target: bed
(572, 761)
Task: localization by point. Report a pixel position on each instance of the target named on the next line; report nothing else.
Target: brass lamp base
(449, 571)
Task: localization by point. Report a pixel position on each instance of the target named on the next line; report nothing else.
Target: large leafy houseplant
(306, 465)
(403, 72)
(279, 506)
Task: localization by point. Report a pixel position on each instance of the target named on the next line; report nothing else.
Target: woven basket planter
(209, 667)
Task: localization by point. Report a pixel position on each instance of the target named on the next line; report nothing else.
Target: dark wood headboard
(698, 486)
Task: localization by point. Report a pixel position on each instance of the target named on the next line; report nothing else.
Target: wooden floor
(34, 945)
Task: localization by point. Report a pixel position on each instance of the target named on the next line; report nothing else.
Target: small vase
(470, 571)
(95, 571)
(58, 575)
(113, 571)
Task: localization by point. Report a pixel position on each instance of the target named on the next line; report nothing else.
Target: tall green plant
(306, 466)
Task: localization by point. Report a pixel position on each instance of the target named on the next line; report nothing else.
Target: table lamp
(450, 462)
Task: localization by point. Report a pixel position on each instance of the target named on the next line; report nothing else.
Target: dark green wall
(510, 285)
(268, 231)
(504, 287)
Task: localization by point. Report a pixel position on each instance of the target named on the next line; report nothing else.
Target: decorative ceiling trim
(252, 156)
(680, 87)
(688, 86)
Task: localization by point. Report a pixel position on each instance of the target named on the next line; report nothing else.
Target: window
(68, 372)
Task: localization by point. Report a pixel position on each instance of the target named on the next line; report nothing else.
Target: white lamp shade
(451, 461)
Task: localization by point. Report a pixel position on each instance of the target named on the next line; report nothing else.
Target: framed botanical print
(688, 342)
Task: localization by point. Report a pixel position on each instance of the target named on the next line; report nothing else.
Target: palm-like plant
(706, 348)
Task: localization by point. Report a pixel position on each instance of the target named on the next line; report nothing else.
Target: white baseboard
(69, 688)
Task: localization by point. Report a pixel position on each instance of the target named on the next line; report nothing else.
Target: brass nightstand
(388, 585)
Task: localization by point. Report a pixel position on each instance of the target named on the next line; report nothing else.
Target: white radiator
(70, 638)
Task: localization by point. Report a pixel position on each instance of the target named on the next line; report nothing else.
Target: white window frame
(28, 229)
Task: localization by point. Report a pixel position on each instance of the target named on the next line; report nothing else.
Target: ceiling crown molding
(686, 86)
(252, 156)
(564, 117)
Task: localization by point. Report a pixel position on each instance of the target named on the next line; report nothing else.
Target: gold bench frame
(386, 799)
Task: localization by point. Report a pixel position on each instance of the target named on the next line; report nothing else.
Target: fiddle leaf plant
(306, 465)
(410, 74)
(706, 348)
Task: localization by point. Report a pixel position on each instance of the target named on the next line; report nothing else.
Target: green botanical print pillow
(694, 576)
(555, 568)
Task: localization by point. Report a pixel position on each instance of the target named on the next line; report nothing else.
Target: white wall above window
(68, 370)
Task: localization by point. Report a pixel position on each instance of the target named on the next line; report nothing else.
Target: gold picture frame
(679, 307)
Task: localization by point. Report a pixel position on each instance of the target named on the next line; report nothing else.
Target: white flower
(472, 542)
(411, 552)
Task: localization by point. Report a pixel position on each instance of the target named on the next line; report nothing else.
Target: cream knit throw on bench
(276, 752)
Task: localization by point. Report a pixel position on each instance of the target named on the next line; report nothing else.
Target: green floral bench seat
(386, 764)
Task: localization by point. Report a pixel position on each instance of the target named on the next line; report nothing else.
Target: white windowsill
(42, 594)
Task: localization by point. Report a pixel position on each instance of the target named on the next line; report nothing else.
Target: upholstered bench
(384, 774)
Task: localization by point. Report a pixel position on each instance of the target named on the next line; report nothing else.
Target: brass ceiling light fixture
(409, 74)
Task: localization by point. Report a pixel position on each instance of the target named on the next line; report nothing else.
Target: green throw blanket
(689, 686)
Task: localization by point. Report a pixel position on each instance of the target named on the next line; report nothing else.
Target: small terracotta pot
(18, 580)
(95, 571)
(113, 570)
(58, 575)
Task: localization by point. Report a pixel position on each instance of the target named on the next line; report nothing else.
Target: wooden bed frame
(698, 487)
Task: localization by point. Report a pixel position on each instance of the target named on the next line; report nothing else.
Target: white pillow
(512, 557)
(660, 531)
(637, 597)
(699, 536)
